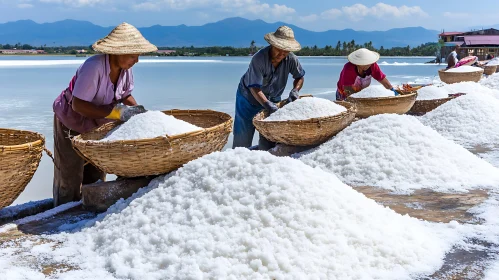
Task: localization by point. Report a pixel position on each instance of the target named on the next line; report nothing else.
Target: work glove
(293, 95)
(124, 113)
(270, 106)
(394, 91)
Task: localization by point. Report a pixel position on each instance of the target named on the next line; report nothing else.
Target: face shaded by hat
(283, 38)
(363, 57)
(124, 39)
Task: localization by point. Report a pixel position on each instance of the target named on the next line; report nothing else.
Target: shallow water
(29, 84)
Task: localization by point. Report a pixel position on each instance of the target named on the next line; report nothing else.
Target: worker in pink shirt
(358, 72)
(100, 92)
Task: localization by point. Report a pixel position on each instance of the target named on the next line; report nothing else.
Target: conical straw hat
(124, 39)
(363, 57)
(283, 38)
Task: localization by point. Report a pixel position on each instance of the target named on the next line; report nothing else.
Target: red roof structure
(450, 33)
(481, 40)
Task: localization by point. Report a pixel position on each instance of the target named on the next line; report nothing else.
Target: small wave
(23, 63)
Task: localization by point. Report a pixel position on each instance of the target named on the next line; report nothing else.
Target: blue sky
(315, 15)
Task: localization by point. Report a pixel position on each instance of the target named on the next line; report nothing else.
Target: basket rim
(406, 95)
(38, 142)
(77, 139)
(311, 120)
(459, 73)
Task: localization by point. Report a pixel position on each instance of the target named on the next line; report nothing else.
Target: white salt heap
(432, 92)
(464, 69)
(491, 82)
(399, 153)
(250, 215)
(470, 88)
(306, 108)
(469, 120)
(493, 62)
(150, 124)
(373, 91)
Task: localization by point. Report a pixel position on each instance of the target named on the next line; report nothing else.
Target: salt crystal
(464, 69)
(469, 120)
(306, 108)
(373, 91)
(432, 92)
(249, 215)
(150, 124)
(399, 153)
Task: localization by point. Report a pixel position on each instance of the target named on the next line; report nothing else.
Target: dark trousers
(70, 171)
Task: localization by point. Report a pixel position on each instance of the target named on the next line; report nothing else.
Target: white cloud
(382, 10)
(331, 14)
(24, 6)
(457, 15)
(75, 3)
(309, 18)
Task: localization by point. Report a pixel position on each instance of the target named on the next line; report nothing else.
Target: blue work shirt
(272, 81)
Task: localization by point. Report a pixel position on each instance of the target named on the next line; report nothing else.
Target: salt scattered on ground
(248, 215)
(432, 92)
(464, 69)
(150, 124)
(306, 108)
(469, 120)
(373, 91)
(399, 153)
(491, 81)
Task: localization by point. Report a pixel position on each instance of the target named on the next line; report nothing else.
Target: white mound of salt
(373, 91)
(464, 69)
(491, 82)
(249, 215)
(469, 120)
(399, 153)
(432, 92)
(493, 62)
(150, 124)
(470, 88)
(306, 108)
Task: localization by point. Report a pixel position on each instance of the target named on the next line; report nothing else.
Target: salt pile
(399, 153)
(470, 88)
(464, 69)
(491, 82)
(249, 215)
(306, 108)
(373, 91)
(432, 92)
(150, 124)
(469, 120)
(493, 62)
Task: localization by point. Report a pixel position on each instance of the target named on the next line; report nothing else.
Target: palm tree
(252, 47)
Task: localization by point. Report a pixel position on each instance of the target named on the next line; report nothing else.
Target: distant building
(479, 43)
(166, 52)
(14, 51)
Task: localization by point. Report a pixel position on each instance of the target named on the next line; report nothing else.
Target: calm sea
(28, 86)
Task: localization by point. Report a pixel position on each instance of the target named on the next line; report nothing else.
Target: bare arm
(258, 95)
(89, 110)
(298, 83)
(130, 101)
(386, 83)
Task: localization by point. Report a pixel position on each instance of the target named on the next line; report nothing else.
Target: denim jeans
(243, 125)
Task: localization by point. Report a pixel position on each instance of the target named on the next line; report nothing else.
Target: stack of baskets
(20, 154)
(367, 107)
(304, 132)
(457, 77)
(155, 156)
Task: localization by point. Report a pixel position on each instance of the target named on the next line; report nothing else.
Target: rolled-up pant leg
(69, 169)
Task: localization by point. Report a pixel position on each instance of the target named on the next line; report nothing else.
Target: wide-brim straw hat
(124, 39)
(363, 57)
(283, 38)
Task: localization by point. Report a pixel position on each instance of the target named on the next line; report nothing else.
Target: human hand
(270, 106)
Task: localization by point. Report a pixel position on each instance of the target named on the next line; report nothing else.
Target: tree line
(340, 49)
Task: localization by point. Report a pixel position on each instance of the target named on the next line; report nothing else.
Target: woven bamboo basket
(489, 70)
(367, 107)
(422, 107)
(160, 155)
(455, 77)
(304, 132)
(20, 154)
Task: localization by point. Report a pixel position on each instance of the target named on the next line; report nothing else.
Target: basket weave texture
(489, 70)
(367, 107)
(20, 154)
(304, 132)
(160, 155)
(456, 77)
(422, 107)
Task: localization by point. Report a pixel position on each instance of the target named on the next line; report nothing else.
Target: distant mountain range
(236, 32)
